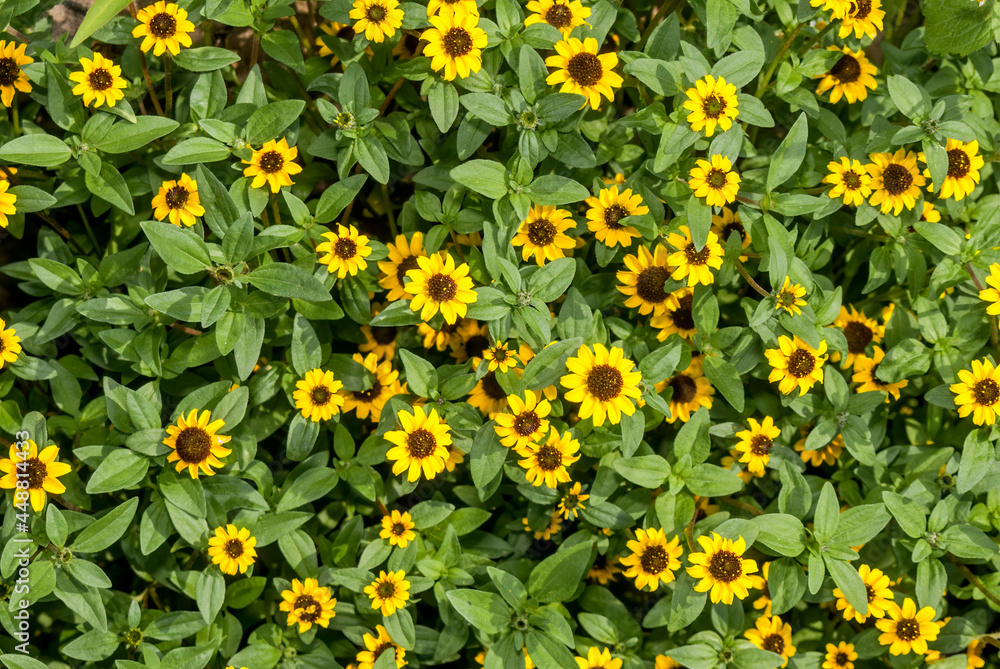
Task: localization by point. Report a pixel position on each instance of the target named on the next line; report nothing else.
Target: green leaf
(550, 363)
(196, 150)
(486, 177)
(958, 27)
(285, 280)
(119, 469)
(849, 581)
(283, 46)
(552, 189)
(269, 121)
(789, 155)
(107, 529)
(30, 199)
(557, 577)
(211, 591)
(911, 516)
(98, 16)
(648, 471)
(908, 97)
(124, 136)
(337, 196)
(487, 457)
(373, 158)
(552, 279)
(724, 376)
(181, 249)
(484, 610)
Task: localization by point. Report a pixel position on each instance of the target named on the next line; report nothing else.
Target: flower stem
(253, 49)
(766, 79)
(749, 279)
(167, 84)
(974, 580)
(389, 212)
(149, 84)
(816, 38)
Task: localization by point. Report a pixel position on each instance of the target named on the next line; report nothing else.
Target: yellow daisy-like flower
(455, 42)
(907, 629)
(316, 396)
(379, 340)
(563, 15)
(895, 180)
(978, 392)
(964, 163)
(715, 180)
(10, 345)
(582, 71)
(402, 258)
(879, 595)
(769, 633)
(930, 213)
(826, 455)
(196, 444)
(543, 234)
(376, 645)
(859, 330)
(573, 502)
(796, 364)
(676, 317)
(488, 396)
(555, 524)
(12, 77)
(546, 463)
(691, 392)
(604, 381)
(607, 209)
(642, 281)
(232, 548)
(443, 337)
(273, 165)
(864, 373)
(39, 468)
(499, 358)
(437, 284)
(526, 421)
(760, 583)
(376, 19)
(597, 659)
(863, 18)
(100, 81)
(345, 251)
(389, 592)
(385, 384)
(839, 8)
(725, 223)
(711, 102)
(398, 528)
(604, 570)
(850, 77)
(841, 656)
(178, 201)
(689, 262)
(756, 443)
(973, 652)
(991, 294)
(722, 568)
(471, 341)
(421, 446)
(653, 560)
(164, 27)
(790, 297)
(850, 180)
(308, 604)
(434, 6)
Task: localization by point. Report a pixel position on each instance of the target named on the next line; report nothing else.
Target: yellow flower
(582, 71)
(12, 77)
(196, 444)
(642, 281)
(385, 384)
(598, 660)
(543, 234)
(691, 392)
(676, 316)
(10, 345)
(864, 373)
(878, 592)
(930, 214)
(442, 337)
(317, 395)
(973, 652)
(455, 42)
(978, 392)
(308, 604)
(546, 463)
(688, 261)
(563, 15)
(756, 443)
(437, 284)
(850, 179)
(434, 6)
(573, 502)
(389, 592)
(964, 163)
(826, 455)
(604, 381)
(863, 18)
(771, 634)
(722, 568)
(333, 29)
(232, 548)
(398, 528)
(653, 560)
(604, 570)
(796, 364)
(273, 165)
(841, 656)
(499, 358)
(379, 340)
(421, 446)
(376, 19)
(100, 81)
(859, 331)
(402, 258)
(907, 629)
(555, 524)
(790, 297)
(525, 423)
(470, 342)
(712, 102)
(610, 207)
(850, 77)
(488, 396)
(664, 662)
(41, 471)
(760, 583)
(375, 646)
(725, 223)
(715, 180)
(895, 180)
(991, 294)
(164, 27)
(839, 8)
(345, 251)
(178, 201)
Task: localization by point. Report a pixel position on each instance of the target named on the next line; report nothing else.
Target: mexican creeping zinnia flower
(39, 468)
(841, 656)
(964, 163)
(12, 77)
(163, 27)
(790, 297)
(582, 71)
(397, 528)
(839, 8)
(437, 284)
(546, 463)
(179, 202)
(725, 223)
(991, 294)
(604, 381)
(597, 659)
(769, 633)
(715, 180)
(385, 383)
(10, 345)
(756, 443)
(676, 317)
(850, 180)
(345, 251)
(376, 645)
(100, 81)
(421, 446)
(877, 591)
(232, 548)
(712, 102)
(865, 369)
(722, 569)
(978, 392)
(859, 331)
(543, 234)
(895, 180)
(525, 421)
(308, 604)
(642, 281)
(863, 18)
(273, 165)
(563, 15)
(653, 560)
(455, 42)
(499, 357)
(389, 592)
(377, 19)
(687, 261)
(402, 258)
(195, 443)
(906, 629)
(850, 77)
(573, 502)
(316, 395)
(607, 209)
(691, 392)
(796, 364)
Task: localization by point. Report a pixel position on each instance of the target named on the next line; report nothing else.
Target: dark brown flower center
(541, 232)
(345, 249)
(649, 284)
(177, 197)
(384, 336)
(457, 42)
(549, 458)
(10, 71)
(896, 178)
(309, 607)
(376, 13)
(774, 643)
(847, 70)
(441, 288)
(851, 179)
(475, 345)
(908, 629)
(272, 162)
(585, 69)
(613, 214)
(862, 8)
(405, 265)
(163, 25)
(320, 395)
(958, 163)
(605, 382)
(492, 387)
(725, 566)
(682, 316)
(559, 16)
(233, 548)
(382, 647)
(347, 33)
(193, 445)
(421, 444)
(874, 379)
(840, 659)
(386, 589)
(858, 336)
(695, 257)
(36, 473)
(398, 529)
(713, 106)
(716, 178)
(685, 388)
(526, 422)
(100, 79)
(654, 560)
(801, 363)
(736, 226)
(370, 395)
(870, 593)
(761, 445)
(987, 392)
